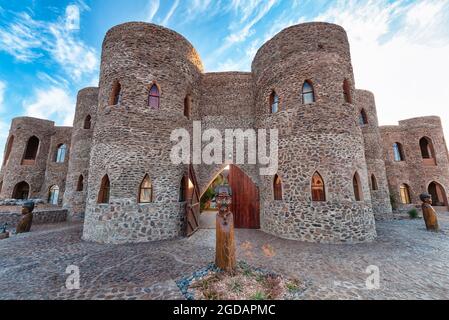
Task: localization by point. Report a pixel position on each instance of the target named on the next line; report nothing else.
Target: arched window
(187, 106)
(146, 190)
(116, 94)
(374, 185)
(80, 183)
(318, 188)
(31, 151)
(427, 151)
(8, 149)
(21, 191)
(358, 194)
(438, 194)
(405, 194)
(88, 122)
(154, 97)
(105, 190)
(308, 94)
(398, 152)
(363, 118)
(347, 91)
(183, 190)
(53, 195)
(277, 188)
(274, 102)
(60, 153)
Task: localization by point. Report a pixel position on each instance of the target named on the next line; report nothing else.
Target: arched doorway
(245, 197)
(21, 191)
(438, 193)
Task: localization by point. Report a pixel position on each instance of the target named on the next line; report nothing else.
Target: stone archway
(245, 197)
(438, 193)
(21, 191)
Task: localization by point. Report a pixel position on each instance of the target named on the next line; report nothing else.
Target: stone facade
(128, 140)
(44, 171)
(414, 171)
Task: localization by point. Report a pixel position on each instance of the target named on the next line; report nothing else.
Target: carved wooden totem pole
(430, 216)
(225, 243)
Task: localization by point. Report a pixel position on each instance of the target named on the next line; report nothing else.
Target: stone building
(337, 167)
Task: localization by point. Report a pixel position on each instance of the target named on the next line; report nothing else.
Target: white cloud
(27, 40)
(152, 8)
(400, 53)
(170, 13)
(54, 103)
(2, 95)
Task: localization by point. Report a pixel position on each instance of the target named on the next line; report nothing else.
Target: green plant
(236, 286)
(413, 213)
(259, 296)
(207, 196)
(292, 286)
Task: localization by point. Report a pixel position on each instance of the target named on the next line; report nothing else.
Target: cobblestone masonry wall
(323, 136)
(374, 153)
(56, 173)
(39, 217)
(129, 140)
(413, 171)
(13, 172)
(75, 200)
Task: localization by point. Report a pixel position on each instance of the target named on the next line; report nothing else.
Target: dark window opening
(187, 106)
(277, 188)
(308, 94)
(80, 183)
(116, 94)
(398, 152)
(358, 193)
(347, 91)
(274, 102)
(31, 151)
(318, 188)
(363, 118)
(154, 97)
(183, 190)
(21, 191)
(87, 122)
(105, 189)
(146, 190)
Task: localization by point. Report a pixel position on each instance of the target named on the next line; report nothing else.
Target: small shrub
(413, 213)
(292, 286)
(236, 286)
(259, 296)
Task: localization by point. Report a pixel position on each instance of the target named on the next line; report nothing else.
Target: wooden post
(225, 243)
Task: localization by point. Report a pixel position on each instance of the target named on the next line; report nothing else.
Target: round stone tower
(131, 139)
(322, 136)
(78, 172)
(16, 169)
(374, 153)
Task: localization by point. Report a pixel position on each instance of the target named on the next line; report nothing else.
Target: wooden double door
(245, 199)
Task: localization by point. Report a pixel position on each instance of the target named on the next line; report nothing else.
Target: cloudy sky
(49, 49)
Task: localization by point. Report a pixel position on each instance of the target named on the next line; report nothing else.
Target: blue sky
(50, 49)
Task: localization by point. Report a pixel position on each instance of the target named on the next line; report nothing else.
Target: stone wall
(374, 153)
(323, 136)
(56, 173)
(74, 199)
(413, 171)
(131, 140)
(39, 217)
(13, 172)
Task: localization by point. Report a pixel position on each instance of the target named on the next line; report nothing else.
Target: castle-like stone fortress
(337, 167)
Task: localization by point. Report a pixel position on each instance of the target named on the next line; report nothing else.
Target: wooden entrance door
(192, 203)
(245, 200)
